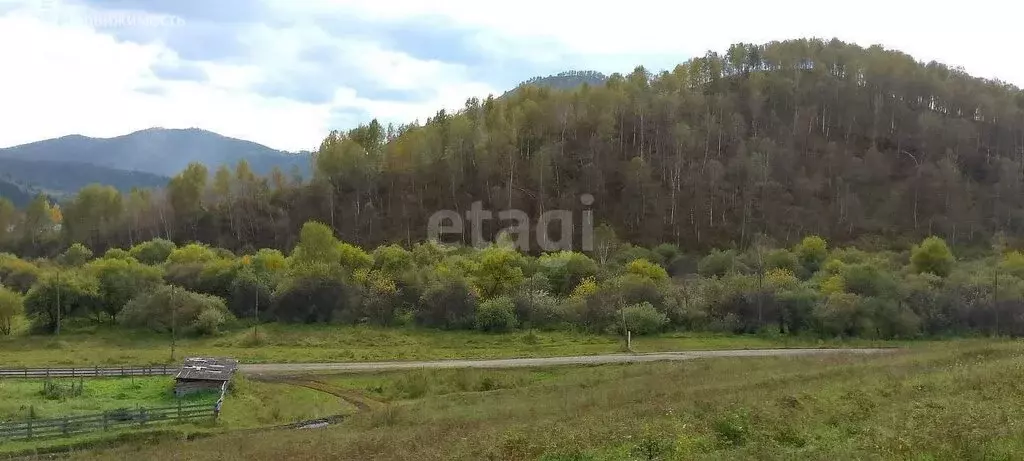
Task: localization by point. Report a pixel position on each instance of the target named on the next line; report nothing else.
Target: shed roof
(207, 368)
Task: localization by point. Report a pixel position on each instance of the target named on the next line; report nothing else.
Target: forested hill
(569, 80)
(786, 139)
(17, 194)
(65, 177)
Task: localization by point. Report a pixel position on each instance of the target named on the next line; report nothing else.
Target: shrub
(392, 259)
(643, 319)
(120, 280)
(209, 321)
(352, 257)
(811, 252)
(647, 269)
(718, 263)
(566, 269)
(166, 307)
(154, 251)
(865, 279)
(11, 306)
(496, 315)
(447, 303)
(932, 256)
(315, 299)
(538, 309)
(247, 291)
(632, 289)
(193, 253)
(116, 253)
(78, 293)
(76, 255)
(1013, 263)
(781, 258)
(18, 274)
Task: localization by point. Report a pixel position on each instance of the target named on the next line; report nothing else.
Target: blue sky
(285, 72)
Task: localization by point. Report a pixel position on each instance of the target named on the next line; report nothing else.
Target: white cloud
(69, 78)
(970, 35)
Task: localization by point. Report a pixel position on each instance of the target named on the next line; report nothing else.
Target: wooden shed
(198, 374)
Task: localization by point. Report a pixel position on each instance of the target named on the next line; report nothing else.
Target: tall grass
(951, 401)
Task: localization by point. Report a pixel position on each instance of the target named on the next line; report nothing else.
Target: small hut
(198, 374)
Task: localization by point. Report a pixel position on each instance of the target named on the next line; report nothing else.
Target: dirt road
(363, 367)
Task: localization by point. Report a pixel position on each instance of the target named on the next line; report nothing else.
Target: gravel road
(362, 367)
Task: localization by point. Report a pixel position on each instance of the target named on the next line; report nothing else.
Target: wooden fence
(88, 372)
(108, 420)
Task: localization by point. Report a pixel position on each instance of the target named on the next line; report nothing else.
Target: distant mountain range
(56, 177)
(145, 159)
(159, 151)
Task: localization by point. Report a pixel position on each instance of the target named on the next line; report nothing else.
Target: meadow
(955, 400)
(278, 343)
(248, 405)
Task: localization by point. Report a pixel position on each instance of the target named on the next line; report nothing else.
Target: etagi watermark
(57, 11)
(449, 222)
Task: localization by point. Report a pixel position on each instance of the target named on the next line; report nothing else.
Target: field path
(365, 367)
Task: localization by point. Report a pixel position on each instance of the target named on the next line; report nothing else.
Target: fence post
(64, 426)
(29, 430)
(179, 409)
(97, 370)
(105, 421)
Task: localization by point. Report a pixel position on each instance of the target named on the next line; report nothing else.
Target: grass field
(21, 398)
(947, 401)
(322, 343)
(248, 405)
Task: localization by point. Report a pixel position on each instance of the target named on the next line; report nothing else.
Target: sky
(285, 72)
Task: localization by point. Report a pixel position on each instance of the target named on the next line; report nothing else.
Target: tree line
(809, 288)
(858, 145)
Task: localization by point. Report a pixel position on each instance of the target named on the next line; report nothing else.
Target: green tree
(76, 255)
(932, 256)
(499, 272)
(155, 251)
(121, 280)
(811, 251)
(496, 315)
(62, 296)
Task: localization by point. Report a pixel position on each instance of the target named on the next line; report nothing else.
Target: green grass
(324, 343)
(19, 398)
(247, 405)
(251, 404)
(950, 401)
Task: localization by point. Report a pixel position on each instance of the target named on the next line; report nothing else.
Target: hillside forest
(804, 186)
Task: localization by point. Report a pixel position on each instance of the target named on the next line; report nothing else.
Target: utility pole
(57, 332)
(174, 321)
(625, 330)
(256, 326)
(995, 294)
(760, 284)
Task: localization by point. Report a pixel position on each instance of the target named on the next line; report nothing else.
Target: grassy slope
(958, 400)
(280, 343)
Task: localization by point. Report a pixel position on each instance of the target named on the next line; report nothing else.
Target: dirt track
(363, 367)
